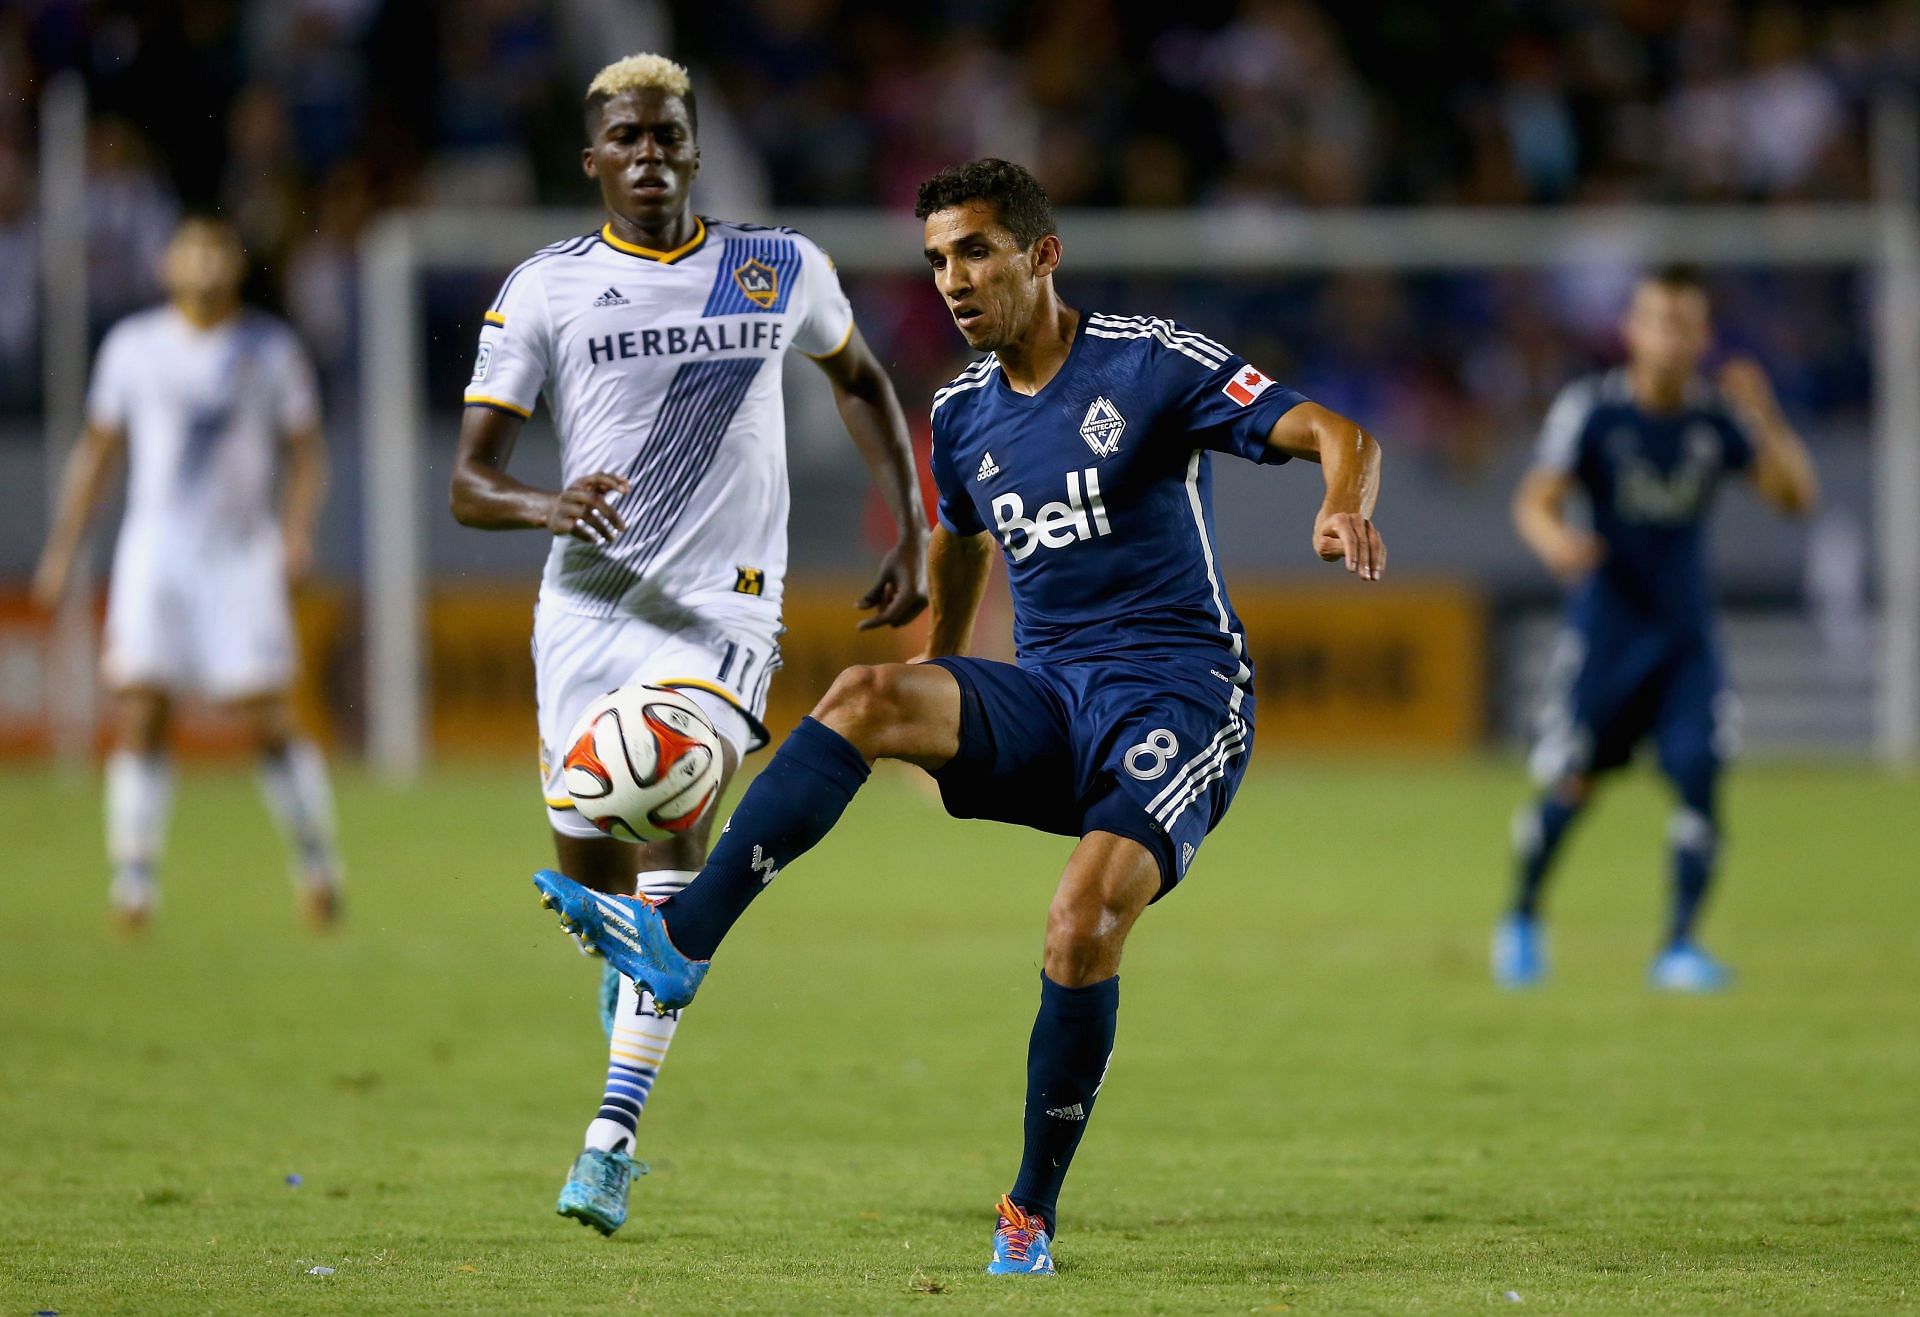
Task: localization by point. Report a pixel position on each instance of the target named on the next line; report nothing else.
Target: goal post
(1881, 237)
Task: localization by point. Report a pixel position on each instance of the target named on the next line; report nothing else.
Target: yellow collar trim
(665, 258)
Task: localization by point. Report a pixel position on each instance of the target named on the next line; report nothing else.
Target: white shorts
(577, 659)
(215, 624)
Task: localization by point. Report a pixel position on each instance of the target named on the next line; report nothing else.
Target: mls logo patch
(1102, 427)
(759, 282)
(481, 362)
(1246, 386)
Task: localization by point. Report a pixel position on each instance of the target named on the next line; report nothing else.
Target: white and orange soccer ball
(643, 763)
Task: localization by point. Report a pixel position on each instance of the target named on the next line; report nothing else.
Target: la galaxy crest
(759, 282)
(1102, 427)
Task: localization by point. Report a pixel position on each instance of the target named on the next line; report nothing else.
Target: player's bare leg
(139, 798)
(904, 711)
(293, 781)
(638, 1033)
(1109, 881)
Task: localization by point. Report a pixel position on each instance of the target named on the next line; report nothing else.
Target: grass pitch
(1317, 1101)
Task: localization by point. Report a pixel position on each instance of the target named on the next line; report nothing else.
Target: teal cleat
(595, 1193)
(1519, 954)
(1685, 967)
(630, 932)
(1021, 1244)
(609, 997)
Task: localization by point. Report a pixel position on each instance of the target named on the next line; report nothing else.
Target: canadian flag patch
(1247, 385)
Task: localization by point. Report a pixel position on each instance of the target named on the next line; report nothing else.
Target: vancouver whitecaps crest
(1102, 427)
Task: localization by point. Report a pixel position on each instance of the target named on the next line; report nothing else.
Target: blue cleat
(1021, 1245)
(595, 1193)
(630, 933)
(1685, 967)
(1519, 952)
(609, 997)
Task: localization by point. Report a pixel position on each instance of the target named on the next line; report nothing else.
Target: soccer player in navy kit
(1647, 445)
(1083, 444)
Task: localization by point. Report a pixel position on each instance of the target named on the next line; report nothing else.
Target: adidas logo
(988, 468)
(1186, 850)
(1077, 1111)
(610, 298)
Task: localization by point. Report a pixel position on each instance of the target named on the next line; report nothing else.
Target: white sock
(295, 785)
(639, 1045)
(139, 796)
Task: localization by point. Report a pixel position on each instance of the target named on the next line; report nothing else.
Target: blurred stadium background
(1425, 216)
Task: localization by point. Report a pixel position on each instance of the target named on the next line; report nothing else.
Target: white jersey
(204, 412)
(664, 367)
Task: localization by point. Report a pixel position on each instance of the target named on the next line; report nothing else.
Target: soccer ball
(643, 763)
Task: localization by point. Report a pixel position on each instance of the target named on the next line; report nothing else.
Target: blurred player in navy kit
(1647, 447)
(1082, 444)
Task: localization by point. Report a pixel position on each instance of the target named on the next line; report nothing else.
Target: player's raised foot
(609, 997)
(1022, 1245)
(1519, 953)
(1686, 967)
(629, 932)
(595, 1193)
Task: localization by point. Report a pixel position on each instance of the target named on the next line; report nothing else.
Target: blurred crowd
(300, 119)
(1312, 102)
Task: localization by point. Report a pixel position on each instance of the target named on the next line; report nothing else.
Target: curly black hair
(1015, 195)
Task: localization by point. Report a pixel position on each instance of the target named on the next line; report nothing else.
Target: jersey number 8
(1149, 759)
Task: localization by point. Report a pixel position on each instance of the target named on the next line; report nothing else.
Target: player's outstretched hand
(899, 593)
(1352, 538)
(582, 511)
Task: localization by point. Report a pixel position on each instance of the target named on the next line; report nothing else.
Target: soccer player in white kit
(207, 398)
(658, 342)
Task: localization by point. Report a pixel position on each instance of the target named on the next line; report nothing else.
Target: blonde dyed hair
(642, 72)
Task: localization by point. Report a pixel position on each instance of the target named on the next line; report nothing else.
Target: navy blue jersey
(1649, 479)
(1099, 488)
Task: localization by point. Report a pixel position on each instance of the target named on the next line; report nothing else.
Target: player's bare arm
(1782, 471)
(302, 495)
(871, 412)
(1540, 517)
(1349, 459)
(93, 462)
(485, 497)
(959, 567)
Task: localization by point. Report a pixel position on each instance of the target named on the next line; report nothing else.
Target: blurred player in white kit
(209, 400)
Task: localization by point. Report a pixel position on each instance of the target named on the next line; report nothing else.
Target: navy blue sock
(1695, 843)
(1537, 833)
(1066, 1060)
(1693, 836)
(795, 801)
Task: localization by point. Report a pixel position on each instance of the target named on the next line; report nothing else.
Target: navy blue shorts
(1611, 687)
(1154, 754)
